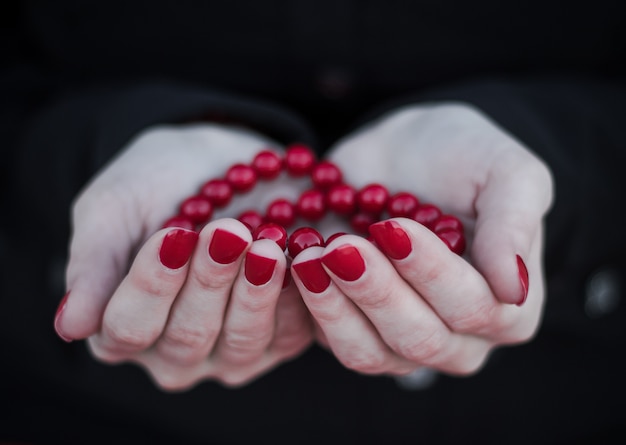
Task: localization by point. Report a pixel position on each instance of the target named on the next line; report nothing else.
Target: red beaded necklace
(362, 207)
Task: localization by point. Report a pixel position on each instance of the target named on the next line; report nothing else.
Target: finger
(98, 260)
(294, 326)
(250, 318)
(197, 315)
(401, 317)
(455, 290)
(352, 338)
(510, 209)
(138, 310)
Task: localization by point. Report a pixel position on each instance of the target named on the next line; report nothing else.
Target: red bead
(303, 238)
(273, 232)
(341, 199)
(402, 204)
(251, 218)
(311, 205)
(282, 212)
(334, 236)
(241, 177)
(180, 221)
(453, 239)
(299, 160)
(218, 191)
(197, 208)
(426, 214)
(372, 198)
(267, 164)
(361, 222)
(325, 175)
(447, 222)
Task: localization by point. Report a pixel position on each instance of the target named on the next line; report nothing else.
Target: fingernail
(313, 275)
(57, 319)
(258, 269)
(346, 262)
(391, 238)
(177, 247)
(523, 278)
(225, 247)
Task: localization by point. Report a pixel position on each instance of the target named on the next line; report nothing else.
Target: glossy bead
(241, 177)
(372, 198)
(341, 199)
(311, 205)
(447, 222)
(271, 231)
(454, 239)
(267, 164)
(426, 214)
(360, 222)
(197, 208)
(325, 175)
(303, 238)
(218, 191)
(180, 221)
(299, 160)
(402, 204)
(251, 218)
(282, 212)
(333, 237)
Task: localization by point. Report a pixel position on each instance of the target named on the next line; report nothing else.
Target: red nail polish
(57, 318)
(346, 262)
(313, 275)
(258, 269)
(391, 239)
(177, 248)
(523, 278)
(225, 247)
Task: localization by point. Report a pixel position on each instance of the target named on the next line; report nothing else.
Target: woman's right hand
(187, 307)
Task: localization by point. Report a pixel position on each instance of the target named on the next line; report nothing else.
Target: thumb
(508, 233)
(98, 260)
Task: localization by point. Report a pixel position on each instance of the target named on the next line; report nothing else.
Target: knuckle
(364, 362)
(244, 342)
(255, 305)
(423, 350)
(158, 285)
(131, 339)
(473, 320)
(187, 337)
(211, 281)
(378, 299)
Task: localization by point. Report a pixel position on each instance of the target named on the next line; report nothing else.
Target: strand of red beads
(329, 192)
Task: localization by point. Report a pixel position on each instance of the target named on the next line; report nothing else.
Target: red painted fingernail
(346, 262)
(177, 247)
(313, 275)
(258, 269)
(225, 247)
(523, 278)
(57, 319)
(391, 238)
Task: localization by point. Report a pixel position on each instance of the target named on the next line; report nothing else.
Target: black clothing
(79, 79)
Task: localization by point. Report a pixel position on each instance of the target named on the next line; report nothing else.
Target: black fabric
(80, 79)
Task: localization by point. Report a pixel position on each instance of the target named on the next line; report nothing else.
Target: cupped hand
(187, 307)
(406, 301)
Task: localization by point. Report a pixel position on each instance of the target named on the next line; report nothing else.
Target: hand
(411, 302)
(178, 312)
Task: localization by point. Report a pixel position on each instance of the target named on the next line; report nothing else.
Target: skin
(205, 321)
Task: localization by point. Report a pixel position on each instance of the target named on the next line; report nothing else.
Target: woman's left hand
(407, 301)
